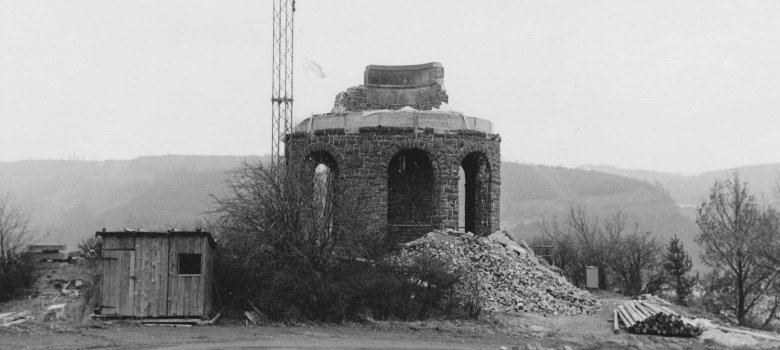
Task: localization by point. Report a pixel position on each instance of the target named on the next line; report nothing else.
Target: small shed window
(189, 264)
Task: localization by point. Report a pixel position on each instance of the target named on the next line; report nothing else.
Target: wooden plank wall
(109, 284)
(151, 282)
(141, 277)
(208, 278)
(114, 242)
(185, 292)
(117, 286)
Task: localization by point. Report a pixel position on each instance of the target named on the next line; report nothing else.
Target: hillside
(691, 190)
(532, 192)
(70, 200)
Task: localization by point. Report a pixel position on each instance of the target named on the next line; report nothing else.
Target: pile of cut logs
(507, 276)
(663, 324)
(644, 317)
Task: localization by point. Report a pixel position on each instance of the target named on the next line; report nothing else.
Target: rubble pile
(507, 276)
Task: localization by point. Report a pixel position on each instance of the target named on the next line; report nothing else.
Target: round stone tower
(396, 135)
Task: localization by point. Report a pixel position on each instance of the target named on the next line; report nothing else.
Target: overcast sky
(682, 86)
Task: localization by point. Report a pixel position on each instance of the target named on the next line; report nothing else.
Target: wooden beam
(627, 320)
(633, 312)
(615, 321)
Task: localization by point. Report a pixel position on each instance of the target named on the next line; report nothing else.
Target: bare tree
(777, 187)
(635, 261)
(15, 231)
(580, 240)
(564, 252)
(296, 212)
(734, 232)
(596, 241)
(303, 244)
(15, 234)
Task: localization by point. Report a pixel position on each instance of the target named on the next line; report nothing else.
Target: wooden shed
(157, 274)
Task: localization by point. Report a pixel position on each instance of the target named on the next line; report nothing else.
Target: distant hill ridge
(72, 199)
(530, 193)
(690, 190)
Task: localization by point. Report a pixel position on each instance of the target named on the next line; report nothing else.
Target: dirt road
(127, 336)
(521, 331)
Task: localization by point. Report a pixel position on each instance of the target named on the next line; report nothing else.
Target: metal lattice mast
(282, 79)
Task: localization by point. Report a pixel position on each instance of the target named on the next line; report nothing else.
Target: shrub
(303, 247)
(16, 275)
(91, 247)
(625, 259)
(15, 270)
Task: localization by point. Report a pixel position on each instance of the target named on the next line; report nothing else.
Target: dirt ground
(494, 331)
(526, 331)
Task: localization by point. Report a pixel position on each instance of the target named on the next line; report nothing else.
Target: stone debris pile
(507, 276)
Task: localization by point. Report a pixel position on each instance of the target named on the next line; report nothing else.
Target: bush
(350, 290)
(91, 247)
(628, 260)
(15, 276)
(421, 288)
(15, 270)
(303, 247)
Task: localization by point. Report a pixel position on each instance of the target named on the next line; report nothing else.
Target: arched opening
(475, 194)
(461, 199)
(314, 159)
(323, 169)
(322, 190)
(410, 195)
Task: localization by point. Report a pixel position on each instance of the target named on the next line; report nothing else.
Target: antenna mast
(282, 79)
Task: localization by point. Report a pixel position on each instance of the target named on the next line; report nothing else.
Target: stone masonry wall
(363, 158)
(362, 98)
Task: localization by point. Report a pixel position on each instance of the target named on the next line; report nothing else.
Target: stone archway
(411, 195)
(322, 171)
(319, 157)
(478, 203)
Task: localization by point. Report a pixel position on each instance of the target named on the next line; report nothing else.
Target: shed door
(118, 282)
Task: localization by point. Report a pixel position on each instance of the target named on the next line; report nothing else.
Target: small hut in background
(157, 274)
(47, 252)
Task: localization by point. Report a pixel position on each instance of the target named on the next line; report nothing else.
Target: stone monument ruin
(396, 135)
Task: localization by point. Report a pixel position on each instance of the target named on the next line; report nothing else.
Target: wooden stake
(615, 321)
